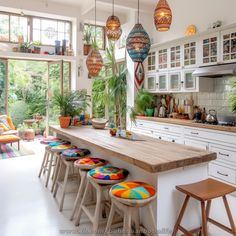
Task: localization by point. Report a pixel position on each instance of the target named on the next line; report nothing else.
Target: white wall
(201, 13)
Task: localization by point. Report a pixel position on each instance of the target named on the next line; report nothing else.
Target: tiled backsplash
(217, 100)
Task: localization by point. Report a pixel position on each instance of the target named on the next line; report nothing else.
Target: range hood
(216, 71)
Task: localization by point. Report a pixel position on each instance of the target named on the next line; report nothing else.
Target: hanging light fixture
(162, 16)
(94, 60)
(113, 26)
(138, 42)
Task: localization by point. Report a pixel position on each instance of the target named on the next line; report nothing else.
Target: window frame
(30, 26)
(104, 34)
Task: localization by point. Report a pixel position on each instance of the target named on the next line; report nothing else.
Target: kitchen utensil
(99, 123)
(211, 117)
(162, 112)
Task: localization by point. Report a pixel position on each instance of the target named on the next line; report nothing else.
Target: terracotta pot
(87, 48)
(64, 121)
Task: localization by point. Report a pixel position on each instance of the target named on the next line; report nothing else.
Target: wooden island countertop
(152, 155)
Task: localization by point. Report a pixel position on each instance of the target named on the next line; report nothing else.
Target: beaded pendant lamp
(94, 60)
(113, 26)
(162, 16)
(138, 42)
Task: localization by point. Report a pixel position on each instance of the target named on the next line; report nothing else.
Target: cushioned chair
(7, 125)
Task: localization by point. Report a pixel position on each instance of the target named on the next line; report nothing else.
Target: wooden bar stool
(101, 179)
(84, 165)
(67, 159)
(205, 191)
(129, 197)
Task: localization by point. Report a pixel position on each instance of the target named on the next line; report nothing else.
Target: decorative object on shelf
(191, 30)
(94, 60)
(162, 16)
(139, 76)
(25, 47)
(57, 47)
(113, 26)
(20, 39)
(138, 42)
(37, 48)
(99, 123)
(64, 46)
(87, 39)
(69, 51)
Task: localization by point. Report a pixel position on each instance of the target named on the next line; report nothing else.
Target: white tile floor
(27, 208)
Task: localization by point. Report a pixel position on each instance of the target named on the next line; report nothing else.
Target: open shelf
(40, 57)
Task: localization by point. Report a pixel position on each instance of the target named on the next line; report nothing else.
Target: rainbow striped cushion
(62, 147)
(58, 143)
(90, 161)
(108, 173)
(133, 190)
(76, 152)
(49, 139)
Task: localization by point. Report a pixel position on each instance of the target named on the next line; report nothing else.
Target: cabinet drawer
(196, 144)
(168, 138)
(224, 153)
(223, 173)
(169, 128)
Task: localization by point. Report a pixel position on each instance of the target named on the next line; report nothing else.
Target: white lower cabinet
(222, 143)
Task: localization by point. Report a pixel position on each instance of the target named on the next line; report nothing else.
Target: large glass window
(100, 35)
(47, 31)
(4, 27)
(18, 27)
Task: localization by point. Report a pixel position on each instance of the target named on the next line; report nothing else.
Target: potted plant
(25, 47)
(144, 103)
(232, 96)
(37, 48)
(70, 104)
(87, 39)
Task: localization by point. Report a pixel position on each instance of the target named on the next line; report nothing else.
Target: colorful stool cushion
(108, 173)
(89, 162)
(49, 139)
(58, 143)
(76, 152)
(133, 190)
(62, 147)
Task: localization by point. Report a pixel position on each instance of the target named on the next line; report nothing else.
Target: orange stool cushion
(89, 162)
(133, 190)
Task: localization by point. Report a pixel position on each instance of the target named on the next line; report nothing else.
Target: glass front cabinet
(151, 62)
(175, 57)
(228, 50)
(190, 57)
(150, 83)
(189, 82)
(162, 82)
(175, 81)
(163, 59)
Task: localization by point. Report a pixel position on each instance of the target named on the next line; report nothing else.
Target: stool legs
(204, 219)
(152, 221)
(110, 218)
(127, 222)
(43, 162)
(80, 193)
(176, 228)
(50, 156)
(56, 171)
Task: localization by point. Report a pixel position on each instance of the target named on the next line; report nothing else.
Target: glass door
(3, 85)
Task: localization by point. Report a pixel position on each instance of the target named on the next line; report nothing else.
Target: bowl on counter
(99, 123)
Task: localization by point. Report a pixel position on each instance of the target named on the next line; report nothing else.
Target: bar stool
(84, 165)
(129, 197)
(205, 191)
(67, 159)
(101, 179)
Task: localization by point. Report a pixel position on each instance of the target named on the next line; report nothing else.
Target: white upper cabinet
(189, 82)
(151, 62)
(175, 81)
(210, 50)
(190, 54)
(150, 82)
(162, 82)
(163, 59)
(228, 48)
(175, 57)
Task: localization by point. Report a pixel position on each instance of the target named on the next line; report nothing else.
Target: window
(100, 35)
(34, 29)
(47, 31)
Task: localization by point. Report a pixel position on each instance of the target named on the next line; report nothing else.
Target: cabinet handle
(223, 154)
(173, 141)
(218, 172)
(195, 133)
(166, 128)
(152, 132)
(141, 124)
(159, 137)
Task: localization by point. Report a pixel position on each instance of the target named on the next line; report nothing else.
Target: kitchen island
(157, 162)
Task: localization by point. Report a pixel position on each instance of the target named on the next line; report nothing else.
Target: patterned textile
(6, 138)
(49, 139)
(6, 151)
(108, 173)
(5, 128)
(133, 190)
(90, 162)
(139, 76)
(62, 147)
(76, 152)
(3, 120)
(54, 144)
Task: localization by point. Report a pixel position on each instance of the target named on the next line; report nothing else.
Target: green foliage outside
(232, 96)
(3, 77)
(109, 90)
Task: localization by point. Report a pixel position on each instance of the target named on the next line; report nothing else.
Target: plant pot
(87, 48)
(150, 112)
(37, 50)
(64, 121)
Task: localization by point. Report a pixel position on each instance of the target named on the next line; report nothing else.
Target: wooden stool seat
(205, 191)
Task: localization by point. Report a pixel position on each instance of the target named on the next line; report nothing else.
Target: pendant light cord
(113, 8)
(138, 11)
(95, 36)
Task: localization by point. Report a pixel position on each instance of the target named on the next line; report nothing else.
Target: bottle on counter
(203, 116)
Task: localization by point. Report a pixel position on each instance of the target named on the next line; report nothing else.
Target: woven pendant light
(94, 60)
(138, 42)
(162, 16)
(113, 26)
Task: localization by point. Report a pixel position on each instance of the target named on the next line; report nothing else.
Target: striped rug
(6, 151)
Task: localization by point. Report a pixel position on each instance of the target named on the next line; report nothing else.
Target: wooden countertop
(151, 154)
(190, 123)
